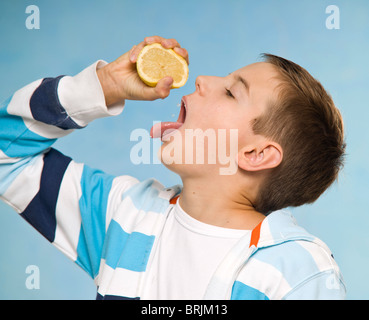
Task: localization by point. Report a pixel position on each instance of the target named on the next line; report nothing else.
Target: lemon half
(155, 62)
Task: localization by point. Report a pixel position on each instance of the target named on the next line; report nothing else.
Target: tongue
(158, 129)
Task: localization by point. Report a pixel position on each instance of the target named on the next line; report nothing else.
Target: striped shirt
(110, 226)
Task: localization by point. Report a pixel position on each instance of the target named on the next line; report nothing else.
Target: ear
(256, 158)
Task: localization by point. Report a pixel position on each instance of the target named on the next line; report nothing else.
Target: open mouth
(164, 129)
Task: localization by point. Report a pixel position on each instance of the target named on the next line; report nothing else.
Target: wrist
(108, 85)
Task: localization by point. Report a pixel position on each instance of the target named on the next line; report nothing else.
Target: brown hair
(305, 122)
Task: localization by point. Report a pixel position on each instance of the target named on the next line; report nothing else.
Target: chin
(187, 170)
(170, 157)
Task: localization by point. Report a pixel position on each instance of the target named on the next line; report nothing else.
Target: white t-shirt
(187, 256)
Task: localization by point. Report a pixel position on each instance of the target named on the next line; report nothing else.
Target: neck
(219, 204)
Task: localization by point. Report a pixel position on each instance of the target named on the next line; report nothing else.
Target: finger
(164, 86)
(173, 44)
(132, 52)
(182, 52)
(148, 40)
(166, 43)
(153, 39)
(135, 51)
(170, 43)
(160, 91)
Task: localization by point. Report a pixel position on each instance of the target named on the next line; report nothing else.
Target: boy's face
(230, 102)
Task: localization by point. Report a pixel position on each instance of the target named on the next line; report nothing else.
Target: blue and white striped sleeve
(66, 202)
(323, 286)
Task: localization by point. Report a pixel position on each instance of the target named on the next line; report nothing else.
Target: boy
(221, 236)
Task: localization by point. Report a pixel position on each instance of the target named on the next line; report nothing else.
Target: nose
(201, 85)
(206, 84)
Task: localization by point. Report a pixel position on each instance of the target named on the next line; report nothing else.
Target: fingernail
(132, 56)
(166, 43)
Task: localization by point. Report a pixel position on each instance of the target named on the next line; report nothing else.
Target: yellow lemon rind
(153, 82)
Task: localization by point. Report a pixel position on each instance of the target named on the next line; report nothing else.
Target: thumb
(163, 87)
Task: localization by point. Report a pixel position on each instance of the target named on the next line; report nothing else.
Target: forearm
(47, 188)
(34, 118)
(36, 115)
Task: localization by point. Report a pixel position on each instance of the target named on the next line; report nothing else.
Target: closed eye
(229, 93)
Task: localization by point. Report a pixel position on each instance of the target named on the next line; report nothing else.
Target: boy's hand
(120, 81)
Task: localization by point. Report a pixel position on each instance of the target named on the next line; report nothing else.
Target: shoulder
(150, 195)
(289, 260)
(296, 269)
(131, 200)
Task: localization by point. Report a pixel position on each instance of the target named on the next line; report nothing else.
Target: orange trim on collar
(255, 235)
(174, 200)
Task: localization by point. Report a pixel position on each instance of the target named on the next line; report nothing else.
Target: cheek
(220, 129)
(209, 115)
(239, 122)
(199, 152)
(245, 135)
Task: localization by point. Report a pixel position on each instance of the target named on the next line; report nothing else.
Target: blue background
(221, 36)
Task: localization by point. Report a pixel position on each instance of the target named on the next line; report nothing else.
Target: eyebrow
(244, 82)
